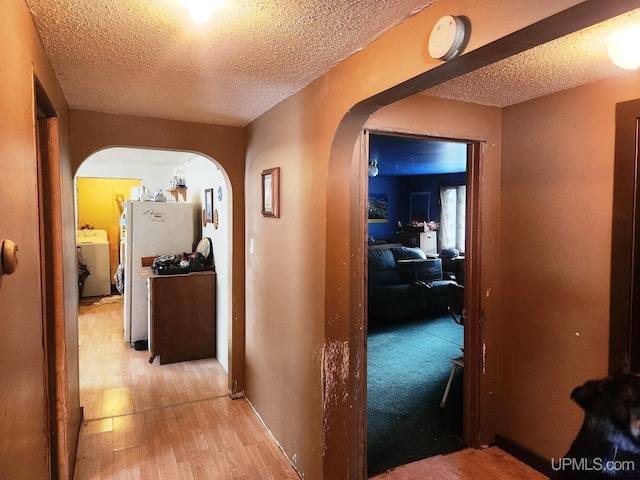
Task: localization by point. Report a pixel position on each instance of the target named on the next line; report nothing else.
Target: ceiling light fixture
(622, 48)
(201, 10)
(373, 168)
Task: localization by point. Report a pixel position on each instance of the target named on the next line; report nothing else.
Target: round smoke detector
(447, 38)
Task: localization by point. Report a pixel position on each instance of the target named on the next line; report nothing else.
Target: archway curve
(344, 342)
(95, 131)
(155, 167)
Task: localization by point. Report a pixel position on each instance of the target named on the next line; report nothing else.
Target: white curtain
(453, 202)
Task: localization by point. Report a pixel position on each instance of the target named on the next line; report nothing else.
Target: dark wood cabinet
(182, 316)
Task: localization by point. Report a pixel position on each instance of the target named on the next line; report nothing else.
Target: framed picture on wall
(378, 208)
(420, 206)
(271, 192)
(208, 205)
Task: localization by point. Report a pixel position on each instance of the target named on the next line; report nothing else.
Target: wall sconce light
(373, 168)
(623, 49)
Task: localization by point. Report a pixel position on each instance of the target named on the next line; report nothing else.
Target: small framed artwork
(208, 205)
(378, 208)
(271, 192)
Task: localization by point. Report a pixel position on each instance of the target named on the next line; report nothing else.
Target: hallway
(176, 422)
(150, 422)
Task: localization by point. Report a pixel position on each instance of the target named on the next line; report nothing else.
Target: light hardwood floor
(469, 464)
(117, 380)
(176, 422)
(150, 422)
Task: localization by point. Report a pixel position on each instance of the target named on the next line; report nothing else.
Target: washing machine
(94, 253)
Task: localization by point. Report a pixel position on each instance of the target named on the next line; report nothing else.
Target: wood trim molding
(525, 455)
(624, 306)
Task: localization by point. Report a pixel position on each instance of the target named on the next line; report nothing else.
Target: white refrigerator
(150, 229)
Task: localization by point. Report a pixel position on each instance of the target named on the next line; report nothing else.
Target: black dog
(608, 444)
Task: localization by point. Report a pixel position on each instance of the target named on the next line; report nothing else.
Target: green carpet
(408, 367)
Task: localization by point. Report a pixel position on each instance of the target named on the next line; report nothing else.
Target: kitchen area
(134, 205)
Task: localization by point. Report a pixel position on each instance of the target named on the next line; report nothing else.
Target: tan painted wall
(555, 254)
(299, 285)
(22, 396)
(303, 279)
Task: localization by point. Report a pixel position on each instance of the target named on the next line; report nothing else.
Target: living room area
(416, 233)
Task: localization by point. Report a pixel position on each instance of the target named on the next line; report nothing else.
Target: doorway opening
(106, 182)
(624, 339)
(411, 347)
(46, 126)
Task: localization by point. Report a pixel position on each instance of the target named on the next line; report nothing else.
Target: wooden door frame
(475, 405)
(52, 282)
(624, 326)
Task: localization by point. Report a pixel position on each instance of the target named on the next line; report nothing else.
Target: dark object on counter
(199, 261)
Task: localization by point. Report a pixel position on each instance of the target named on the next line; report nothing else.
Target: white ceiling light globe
(623, 48)
(201, 10)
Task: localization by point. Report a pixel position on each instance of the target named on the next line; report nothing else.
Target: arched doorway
(95, 131)
(118, 168)
(345, 292)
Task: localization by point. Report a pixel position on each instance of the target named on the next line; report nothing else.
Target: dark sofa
(415, 289)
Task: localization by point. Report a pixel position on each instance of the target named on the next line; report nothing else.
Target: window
(453, 204)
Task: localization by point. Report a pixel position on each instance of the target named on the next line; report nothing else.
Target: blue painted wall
(399, 190)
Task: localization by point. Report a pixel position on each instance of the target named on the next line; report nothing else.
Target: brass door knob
(9, 257)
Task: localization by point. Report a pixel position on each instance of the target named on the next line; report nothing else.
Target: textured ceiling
(402, 155)
(570, 61)
(125, 156)
(146, 57)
